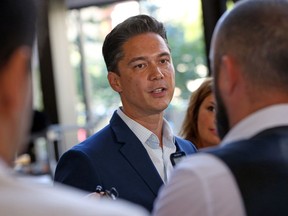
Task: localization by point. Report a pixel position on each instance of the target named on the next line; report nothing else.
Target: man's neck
(154, 122)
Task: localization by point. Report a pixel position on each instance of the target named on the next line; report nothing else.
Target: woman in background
(199, 125)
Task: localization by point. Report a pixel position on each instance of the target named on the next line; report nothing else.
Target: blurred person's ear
(230, 74)
(15, 103)
(14, 80)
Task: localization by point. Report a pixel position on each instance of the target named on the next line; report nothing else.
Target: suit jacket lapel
(134, 152)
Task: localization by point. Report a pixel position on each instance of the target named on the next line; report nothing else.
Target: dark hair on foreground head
(17, 26)
(189, 128)
(135, 25)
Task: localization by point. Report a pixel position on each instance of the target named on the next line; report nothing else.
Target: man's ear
(230, 74)
(14, 80)
(114, 81)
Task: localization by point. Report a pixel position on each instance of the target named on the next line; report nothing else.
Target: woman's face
(206, 122)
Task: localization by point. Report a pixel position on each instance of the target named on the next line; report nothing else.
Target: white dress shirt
(203, 185)
(159, 156)
(198, 189)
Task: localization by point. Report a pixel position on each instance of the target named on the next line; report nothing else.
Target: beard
(222, 120)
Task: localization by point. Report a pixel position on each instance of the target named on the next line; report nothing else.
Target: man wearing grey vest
(248, 173)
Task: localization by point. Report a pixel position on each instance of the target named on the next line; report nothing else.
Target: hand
(95, 195)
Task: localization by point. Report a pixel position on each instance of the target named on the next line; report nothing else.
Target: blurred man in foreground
(17, 27)
(248, 173)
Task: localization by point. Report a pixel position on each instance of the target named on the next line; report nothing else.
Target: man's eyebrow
(164, 54)
(143, 58)
(137, 59)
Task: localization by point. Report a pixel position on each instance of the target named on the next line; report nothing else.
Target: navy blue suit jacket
(114, 157)
(260, 167)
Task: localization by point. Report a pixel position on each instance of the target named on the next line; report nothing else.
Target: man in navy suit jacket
(132, 153)
(248, 173)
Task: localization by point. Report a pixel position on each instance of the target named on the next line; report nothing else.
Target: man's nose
(156, 73)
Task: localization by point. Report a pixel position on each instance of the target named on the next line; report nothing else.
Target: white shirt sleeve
(200, 185)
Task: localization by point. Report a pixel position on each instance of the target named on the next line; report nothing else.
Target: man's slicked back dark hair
(17, 26)
(135, 25)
